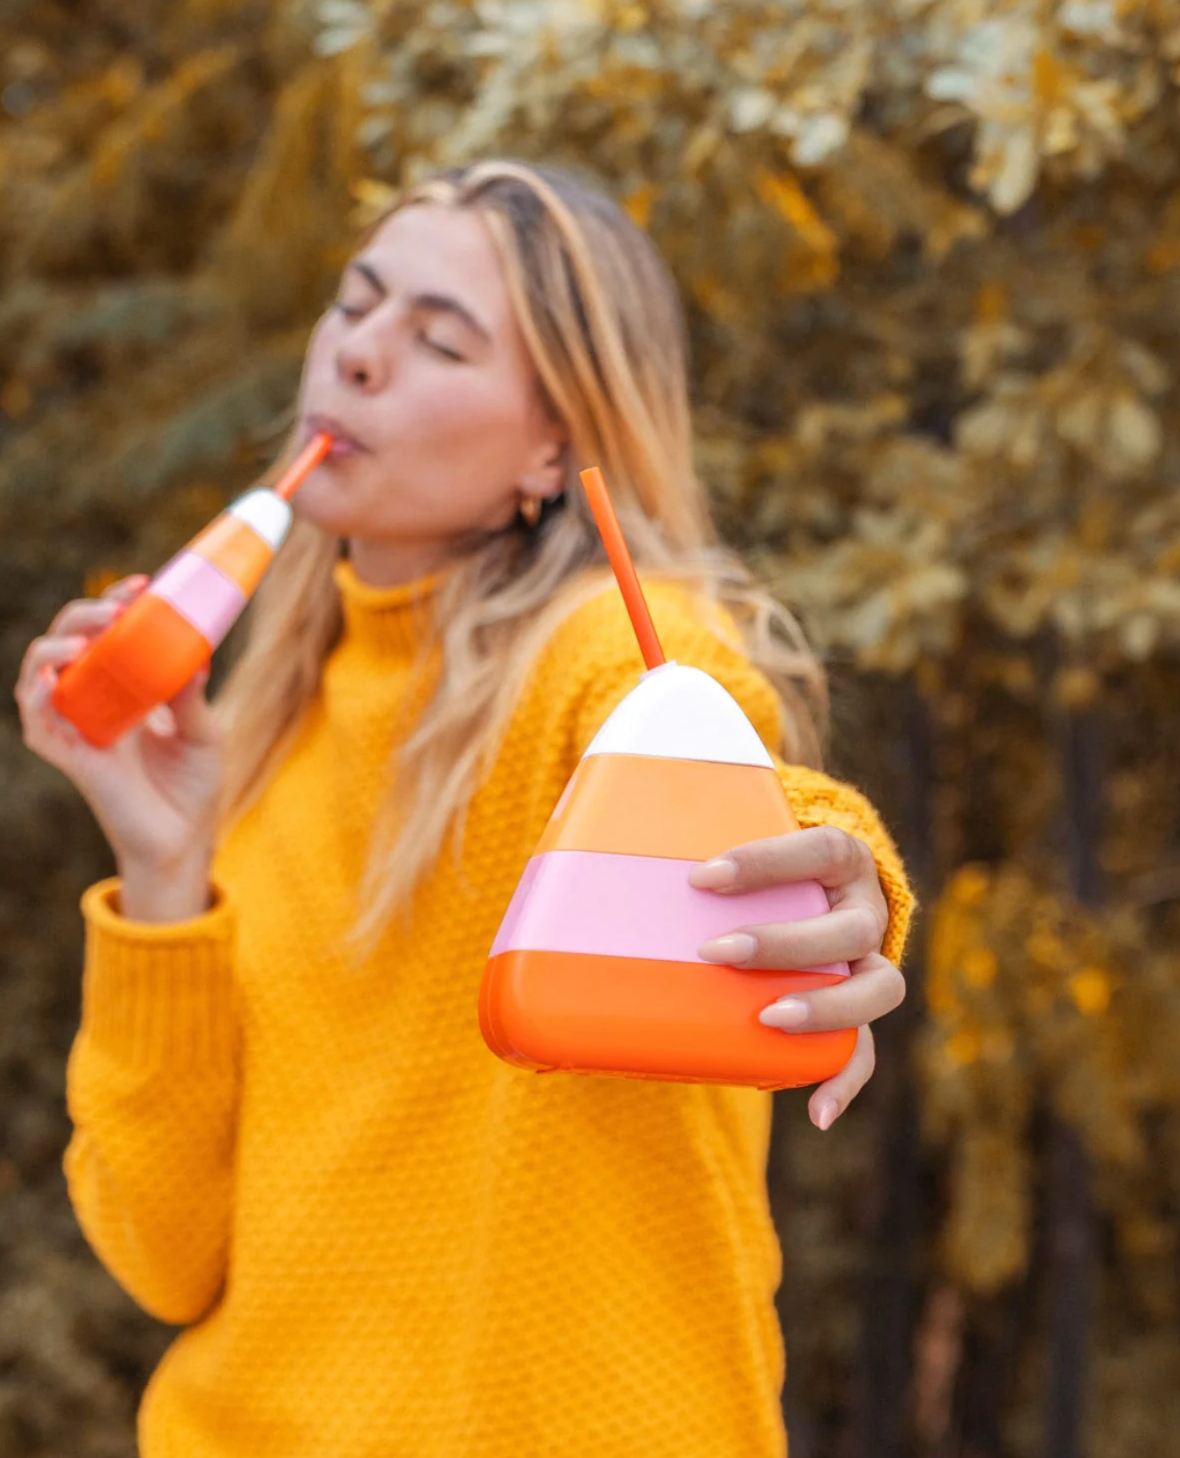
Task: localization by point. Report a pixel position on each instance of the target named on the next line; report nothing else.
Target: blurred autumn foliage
(931, 255)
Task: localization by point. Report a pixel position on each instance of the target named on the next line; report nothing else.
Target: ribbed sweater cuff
(818, 800)
(901, 902)
(158, 995)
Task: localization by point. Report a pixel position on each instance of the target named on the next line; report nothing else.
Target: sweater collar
(392, 620)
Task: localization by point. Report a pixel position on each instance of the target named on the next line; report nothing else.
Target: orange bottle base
(686, 1022)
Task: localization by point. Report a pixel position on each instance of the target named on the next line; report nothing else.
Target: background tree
(931, 254)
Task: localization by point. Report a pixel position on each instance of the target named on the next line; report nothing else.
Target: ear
(545, 463)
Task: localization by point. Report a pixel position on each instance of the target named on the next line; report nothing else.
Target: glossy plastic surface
(594, 969)
(153, 648)
(144, 658)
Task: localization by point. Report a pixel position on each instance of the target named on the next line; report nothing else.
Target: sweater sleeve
(152, 1089)
(817, 799)
(688, 637)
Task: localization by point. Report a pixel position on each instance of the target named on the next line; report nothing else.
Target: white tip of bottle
(268, 515)
(678, 712)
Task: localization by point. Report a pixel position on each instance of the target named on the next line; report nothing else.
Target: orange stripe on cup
(235, 549)
(145, 657)
(674, 1020)
(680, 809)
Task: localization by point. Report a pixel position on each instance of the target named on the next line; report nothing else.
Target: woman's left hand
(851, 932)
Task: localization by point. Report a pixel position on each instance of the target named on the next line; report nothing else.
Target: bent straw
(303, 465)
(623, 566)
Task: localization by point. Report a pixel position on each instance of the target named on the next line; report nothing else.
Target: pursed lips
(343, 444)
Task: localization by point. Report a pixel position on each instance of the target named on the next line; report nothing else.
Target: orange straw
(303, 465)
(624, 568)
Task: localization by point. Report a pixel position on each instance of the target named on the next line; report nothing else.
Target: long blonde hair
(602, 321)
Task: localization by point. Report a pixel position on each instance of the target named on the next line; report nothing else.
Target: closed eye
(358, 311)
(443, 349)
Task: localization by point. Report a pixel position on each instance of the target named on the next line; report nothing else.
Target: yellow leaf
(1049, 77)
(1163, 257)
(638, 203)
(1076, 687)
(630, 17)
(991, 303)
(714, 297)
(969, 886)
(1046, 948)
(373, 194)
(1090, 989)
(787, 198)
(979, 967)
(964, 1048)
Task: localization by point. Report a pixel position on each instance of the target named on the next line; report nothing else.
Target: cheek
(457, 411)
(452, 458)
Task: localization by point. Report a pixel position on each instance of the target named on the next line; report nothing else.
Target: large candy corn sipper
(595, 966)
(152, 649)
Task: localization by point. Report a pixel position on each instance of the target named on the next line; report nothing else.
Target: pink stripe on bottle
(206, 597)
(638, 906)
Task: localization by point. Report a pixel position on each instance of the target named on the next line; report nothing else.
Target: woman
(289, 1136)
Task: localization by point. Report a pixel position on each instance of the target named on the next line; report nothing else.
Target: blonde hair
(603, 324)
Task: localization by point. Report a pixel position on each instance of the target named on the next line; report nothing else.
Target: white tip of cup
(268, 515)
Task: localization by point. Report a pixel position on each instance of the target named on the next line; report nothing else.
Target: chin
(316, 507)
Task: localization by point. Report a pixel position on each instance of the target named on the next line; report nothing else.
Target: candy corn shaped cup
(595, 966)
(155, 646)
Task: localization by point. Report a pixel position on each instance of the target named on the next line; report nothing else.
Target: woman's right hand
(154, 792)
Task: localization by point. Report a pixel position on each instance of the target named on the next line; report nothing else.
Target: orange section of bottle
(681, 809)
(235, 549)
(682, 1021)
(144, 658)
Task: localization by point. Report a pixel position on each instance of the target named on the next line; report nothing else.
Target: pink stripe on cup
(206, 597)
(638, 906)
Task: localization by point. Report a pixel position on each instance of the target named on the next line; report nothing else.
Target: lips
(343, 444)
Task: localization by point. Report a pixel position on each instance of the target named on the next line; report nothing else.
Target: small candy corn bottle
(155, 646)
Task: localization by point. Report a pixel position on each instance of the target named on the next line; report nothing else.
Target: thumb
(195, 719)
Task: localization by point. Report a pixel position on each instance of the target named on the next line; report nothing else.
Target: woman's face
(421, 373)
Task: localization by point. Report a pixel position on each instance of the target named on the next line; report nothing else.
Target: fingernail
(787, 1012)
(714, 875)
(826, 1114)
(733, 949)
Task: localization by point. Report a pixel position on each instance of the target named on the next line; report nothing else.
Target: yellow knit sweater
(380, 1239)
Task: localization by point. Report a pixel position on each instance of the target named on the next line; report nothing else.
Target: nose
(360, 363)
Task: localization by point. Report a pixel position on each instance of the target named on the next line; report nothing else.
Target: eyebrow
(433, 303)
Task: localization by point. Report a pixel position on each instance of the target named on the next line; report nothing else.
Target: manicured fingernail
(734, 949)
(788, 1012)
(714, 875)
(826, 1114)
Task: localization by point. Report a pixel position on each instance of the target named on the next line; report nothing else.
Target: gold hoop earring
(530, 510)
